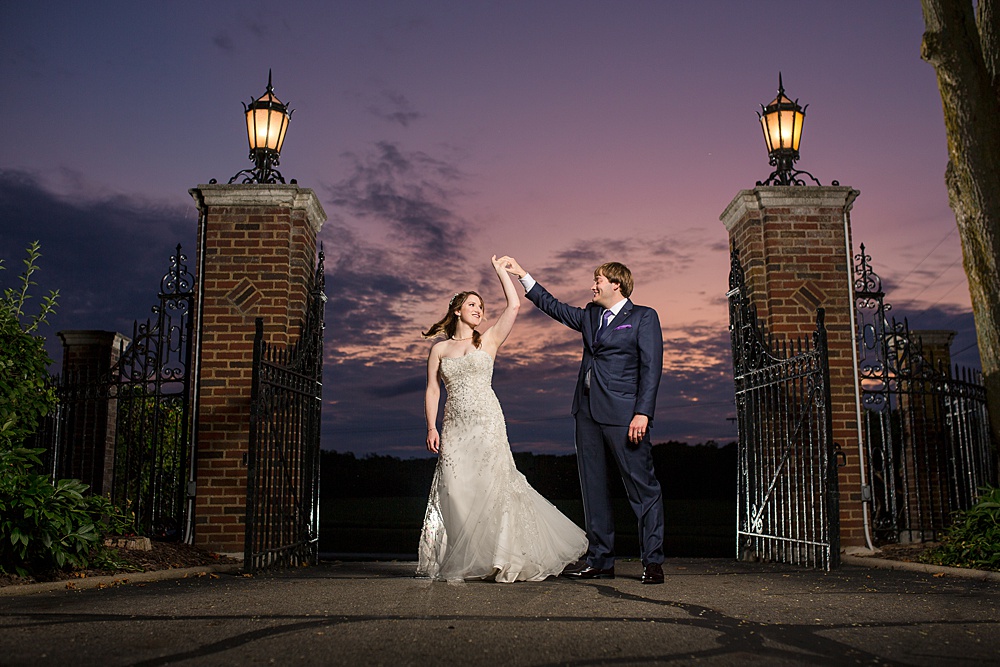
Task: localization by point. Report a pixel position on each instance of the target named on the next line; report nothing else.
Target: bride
(483, 519)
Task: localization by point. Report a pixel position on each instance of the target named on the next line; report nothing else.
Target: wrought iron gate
(787, 495)
(126, 432)
(282, 515)
(926, 427)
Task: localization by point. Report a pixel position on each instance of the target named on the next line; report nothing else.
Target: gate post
(90, 420)
(256, 258)
(923, 410)
(794, 245)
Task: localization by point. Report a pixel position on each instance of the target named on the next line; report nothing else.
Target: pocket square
(623, 326)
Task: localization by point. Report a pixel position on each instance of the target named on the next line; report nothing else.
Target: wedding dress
(482, 515)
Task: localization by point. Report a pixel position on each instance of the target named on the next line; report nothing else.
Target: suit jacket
(625, 365)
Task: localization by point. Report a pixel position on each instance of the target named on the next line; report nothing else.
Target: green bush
(42, 525)
(45, 525)
(25, 392)
(973, 540)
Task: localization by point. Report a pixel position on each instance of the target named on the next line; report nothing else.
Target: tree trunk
(963, 45)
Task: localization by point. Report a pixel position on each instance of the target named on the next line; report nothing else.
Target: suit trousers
(594, 443)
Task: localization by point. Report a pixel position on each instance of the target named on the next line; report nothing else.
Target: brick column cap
(763, 197)
(261, 195)
(934, 337)
(74, 337)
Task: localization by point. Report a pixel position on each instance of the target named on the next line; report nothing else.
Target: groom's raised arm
(571, 316)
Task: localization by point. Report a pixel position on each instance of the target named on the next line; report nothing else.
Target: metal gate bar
(282, 501)
(787, 494)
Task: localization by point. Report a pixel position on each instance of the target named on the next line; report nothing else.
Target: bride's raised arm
(498, 333)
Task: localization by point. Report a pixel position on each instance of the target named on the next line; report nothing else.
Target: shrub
(42, 525)
(45, 525)
(25, 392)
(973, 540)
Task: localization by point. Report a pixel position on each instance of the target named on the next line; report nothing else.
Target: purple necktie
(605, 320)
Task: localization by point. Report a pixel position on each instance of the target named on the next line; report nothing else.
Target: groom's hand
(511, 265)
(499, 264)
(638, 428)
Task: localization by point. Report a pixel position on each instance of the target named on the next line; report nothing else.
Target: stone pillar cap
(934, 336)
(764, 197)
(260, 194)
(71, 337)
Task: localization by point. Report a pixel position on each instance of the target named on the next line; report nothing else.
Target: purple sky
(565, 133)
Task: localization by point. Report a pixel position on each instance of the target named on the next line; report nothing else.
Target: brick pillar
(936, 346)
(259, 258)
(793, 243)
(91, 418)
(923, 414)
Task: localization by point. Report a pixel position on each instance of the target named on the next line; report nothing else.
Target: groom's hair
(616, 273)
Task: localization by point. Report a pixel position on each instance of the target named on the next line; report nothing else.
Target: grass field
(391, 526)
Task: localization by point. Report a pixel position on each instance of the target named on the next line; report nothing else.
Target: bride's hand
(433, 440)
(500, 264)
(510, 264)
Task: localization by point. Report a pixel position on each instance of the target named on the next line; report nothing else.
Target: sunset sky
(435, 134)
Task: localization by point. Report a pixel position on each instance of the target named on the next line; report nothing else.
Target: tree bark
(988, 22)
(963, 45)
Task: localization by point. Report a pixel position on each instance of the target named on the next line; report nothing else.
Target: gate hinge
(192, 488)
(866, 493)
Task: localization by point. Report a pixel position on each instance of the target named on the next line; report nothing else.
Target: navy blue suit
(625, 367)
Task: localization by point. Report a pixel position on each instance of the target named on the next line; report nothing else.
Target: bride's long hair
(448, 324)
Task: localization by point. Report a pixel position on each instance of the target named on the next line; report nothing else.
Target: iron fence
(125, 431)
(926, 427)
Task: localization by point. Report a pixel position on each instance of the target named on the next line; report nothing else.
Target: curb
(109, 580)
(938, 570)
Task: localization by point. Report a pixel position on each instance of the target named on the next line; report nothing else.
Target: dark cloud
(395, 108)
(411, 193)
(374, 407)
(223, 40)
(378, 280)
(648, 258)
(392, 245)
(105, 255)
(367, 286)
(409, 385)
(259, 29)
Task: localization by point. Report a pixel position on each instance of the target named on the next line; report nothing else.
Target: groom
(613, 406)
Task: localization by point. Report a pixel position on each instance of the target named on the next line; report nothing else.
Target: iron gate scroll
(282, 512)
(787, 492)
(926, 427)
(126, 432)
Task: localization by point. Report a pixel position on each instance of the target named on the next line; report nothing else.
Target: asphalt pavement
(709, 611)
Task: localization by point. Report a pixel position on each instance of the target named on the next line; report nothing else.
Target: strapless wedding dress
(483, 519)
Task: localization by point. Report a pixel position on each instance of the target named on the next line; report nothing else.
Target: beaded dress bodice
(483, 518)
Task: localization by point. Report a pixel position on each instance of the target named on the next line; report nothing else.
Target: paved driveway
(710, 611)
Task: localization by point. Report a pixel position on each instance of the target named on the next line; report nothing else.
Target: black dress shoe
(652, 574)
(591, 573)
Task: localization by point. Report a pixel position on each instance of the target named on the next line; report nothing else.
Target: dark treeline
(685, 472)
